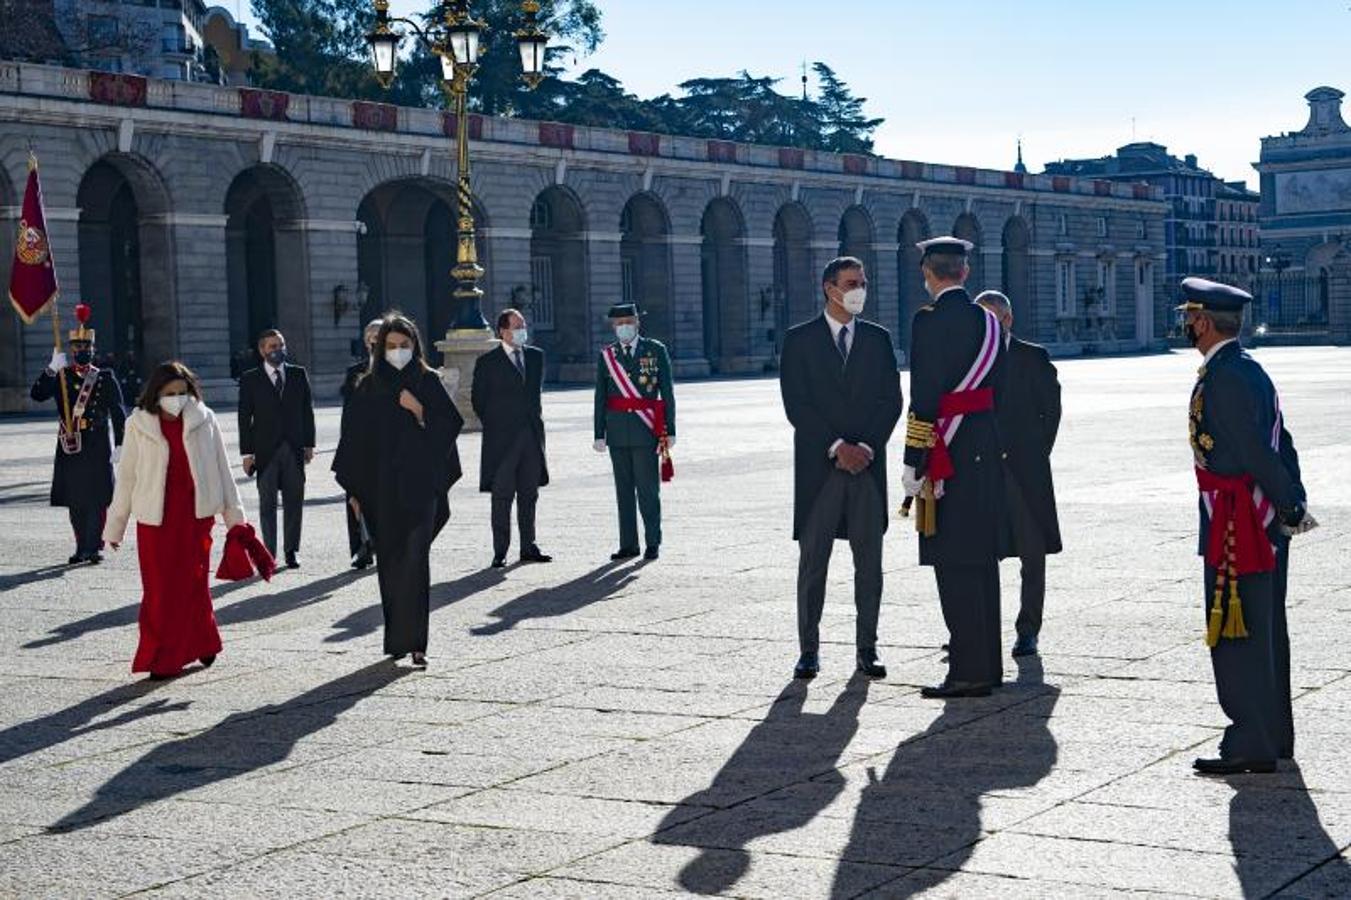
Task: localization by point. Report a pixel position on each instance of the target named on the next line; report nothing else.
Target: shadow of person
(1274, 817)
(369, 619)
(926, 806)
(34, 576)
(266, 605)
(241, 743)
(56, 728)
(787, 747)
(545, 603)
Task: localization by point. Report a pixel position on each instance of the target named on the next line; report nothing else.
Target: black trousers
(87, 523)
(1030, 544)
(285, 473)
(353, 528)
(854, 499)
(404, 547)
(1252, 674)
(516, 480)
(637, 473)
(970, 598)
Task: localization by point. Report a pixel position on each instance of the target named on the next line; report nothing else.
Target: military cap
(1200, 294)
(623, 310)
(946, 244)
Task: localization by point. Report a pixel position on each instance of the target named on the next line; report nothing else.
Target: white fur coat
(144, 468)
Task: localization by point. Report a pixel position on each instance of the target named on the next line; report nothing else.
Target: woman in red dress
(175, 478)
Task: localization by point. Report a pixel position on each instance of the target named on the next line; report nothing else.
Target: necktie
(520, 363)
(843, 344)
(277, 382)
(628, 353)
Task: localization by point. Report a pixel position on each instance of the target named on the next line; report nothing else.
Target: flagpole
(56, 328)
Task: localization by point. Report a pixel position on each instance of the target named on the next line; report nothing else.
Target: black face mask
(1189, 331)
(84, 357)
(276, 357)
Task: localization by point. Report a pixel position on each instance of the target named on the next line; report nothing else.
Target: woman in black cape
(397, 460)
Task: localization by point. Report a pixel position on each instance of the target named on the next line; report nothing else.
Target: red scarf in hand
(245, 553)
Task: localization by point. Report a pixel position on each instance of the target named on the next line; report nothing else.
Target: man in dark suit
(92, 421)
(1251, 503)
(952, 464)
(1029, 417)
(360, 546)
(634, 419)
(276, 438)
(506, 398)
(842, 394)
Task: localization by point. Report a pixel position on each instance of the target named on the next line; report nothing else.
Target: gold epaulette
(918, 433)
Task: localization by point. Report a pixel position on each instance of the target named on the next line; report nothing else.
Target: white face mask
(519, 337)
(853, 300)
(399, 357)
(626, 333)
(173, 404)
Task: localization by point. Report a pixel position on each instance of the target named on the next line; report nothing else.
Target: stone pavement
(596, 730)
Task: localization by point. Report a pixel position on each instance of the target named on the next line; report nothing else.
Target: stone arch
(267, 262)
(967, 227)
(914, 228)
(857, 235)
(724, 282)
(406, 251)
(558, 305)
(645, 264)
(12, 375)
(126, 259)
(795, 291)
(1016, 274)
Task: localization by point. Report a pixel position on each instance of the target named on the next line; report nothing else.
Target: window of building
(542, 278)
(1102, 226)
(541, 215)
(626, 280)
(1107, 284)
(1141, 229)
(103, 32)
(172, 38)
(1064, 287)
(1063, 225)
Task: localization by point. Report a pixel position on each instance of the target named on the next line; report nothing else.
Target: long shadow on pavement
(926, 806)
(787, 747)
(267, 605)
(569, 597)
(33, 576)
(241, 743)
(74, 721)
(367, 620)
(1274, 817)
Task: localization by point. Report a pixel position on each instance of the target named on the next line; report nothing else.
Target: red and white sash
(1265, 511)
(620, 376)
(946, 427)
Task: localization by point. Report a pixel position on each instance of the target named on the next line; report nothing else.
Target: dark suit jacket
(1029, 417)
(1235, 410)
(826, 401)
(508, 405)
(944, 340)
(266, 421)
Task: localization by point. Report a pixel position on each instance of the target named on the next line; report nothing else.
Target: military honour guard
(635, 422)
(1251, 503)
(89, 402)
(953, 466)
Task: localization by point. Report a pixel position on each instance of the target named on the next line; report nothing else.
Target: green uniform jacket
(650, 370)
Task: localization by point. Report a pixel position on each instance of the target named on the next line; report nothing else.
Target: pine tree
(845, 129)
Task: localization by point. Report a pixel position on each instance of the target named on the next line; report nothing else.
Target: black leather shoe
(94, 559)
(361, 561)
(533, 555)
(76, 559)
(499, 562)
(652, 553)
(808, 664)
(419, 660)
(870, 665)
(624, 553)
(1026, 645)
(292, 561)
(1234, 766)
(950, 689)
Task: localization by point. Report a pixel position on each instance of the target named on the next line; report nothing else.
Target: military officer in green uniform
(635, 421)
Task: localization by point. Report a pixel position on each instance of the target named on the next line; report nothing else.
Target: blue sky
(958, 83)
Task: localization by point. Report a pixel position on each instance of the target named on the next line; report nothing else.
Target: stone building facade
(190, 216)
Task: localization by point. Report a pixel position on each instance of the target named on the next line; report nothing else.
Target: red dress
(177, 623)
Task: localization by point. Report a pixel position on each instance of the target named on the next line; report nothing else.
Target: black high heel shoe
(420, 660)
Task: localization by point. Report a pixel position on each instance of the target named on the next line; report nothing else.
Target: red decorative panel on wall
(556, 134)
(1013, 180)
(966, 175)
(1140, 191)
(257, 104)
(643, 143)
(448, 126)
(1102, 188)
(375, 116)
(117, 89)
(721, 151)
(912, 169)
(792, 158)
(1060, 184)
(855, 165)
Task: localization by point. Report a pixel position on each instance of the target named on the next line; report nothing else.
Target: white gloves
(910, 482)
(599, 446)
(58, 362)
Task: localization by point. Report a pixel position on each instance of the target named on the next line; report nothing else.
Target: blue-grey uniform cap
(1203, 294)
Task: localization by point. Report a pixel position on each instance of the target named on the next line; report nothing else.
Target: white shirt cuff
(833, 447)
(871, 454)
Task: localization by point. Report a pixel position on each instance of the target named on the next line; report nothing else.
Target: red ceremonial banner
(791, 158)
(375, 116)
(259, 104)
(643, 143)
(966, 175)
(721, 151)
(556, 134)
(450, 126)
(855, 165)
(32, 280)
(117, 89)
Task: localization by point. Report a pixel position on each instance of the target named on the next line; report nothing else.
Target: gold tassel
(1235, 627)
(1216, 613)
(926, 520)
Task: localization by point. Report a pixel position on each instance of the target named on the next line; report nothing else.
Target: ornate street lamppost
(456, 43)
